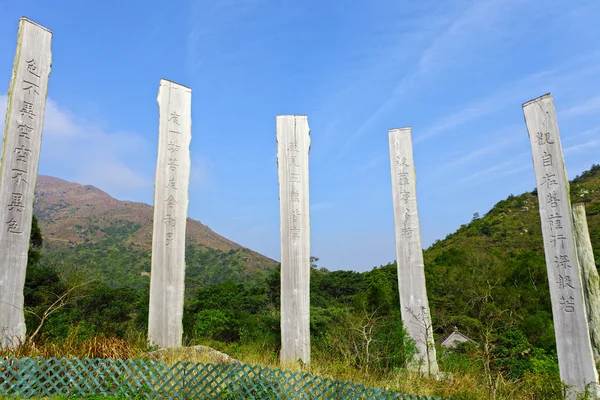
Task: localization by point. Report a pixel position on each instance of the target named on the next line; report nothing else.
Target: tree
(313, 261)
(35, 243)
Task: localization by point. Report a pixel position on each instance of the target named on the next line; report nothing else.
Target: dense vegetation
(488, 279)
(116, 261)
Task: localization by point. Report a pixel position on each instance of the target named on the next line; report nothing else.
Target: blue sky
(456, 71)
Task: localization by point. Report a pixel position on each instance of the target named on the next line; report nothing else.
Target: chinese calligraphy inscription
(20, 155)
(411, 277)
(170, 214)
(293, 143)
(573, 344)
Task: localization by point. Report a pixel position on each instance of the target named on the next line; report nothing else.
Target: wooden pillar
(165, 320)
(21, 147)
(293, 145)
(575, 358)
(589, 275)
(414, 304)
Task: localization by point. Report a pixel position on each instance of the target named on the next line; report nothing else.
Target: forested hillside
(89, 232)
(488, 279)
(492, 271)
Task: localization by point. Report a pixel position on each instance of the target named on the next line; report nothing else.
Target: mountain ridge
(78, 220)
(51, 206)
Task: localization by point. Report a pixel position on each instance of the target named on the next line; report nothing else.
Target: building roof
(454, 336)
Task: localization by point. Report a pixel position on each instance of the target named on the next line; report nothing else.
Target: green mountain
(491, 273)
(89, 233)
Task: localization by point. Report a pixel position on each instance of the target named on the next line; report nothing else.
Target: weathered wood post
(165, 320)
(19, 167)
(575, 358)
(293, 145)
(589, 275)
(414, 305)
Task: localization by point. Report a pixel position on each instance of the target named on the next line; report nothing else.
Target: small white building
(453, 339)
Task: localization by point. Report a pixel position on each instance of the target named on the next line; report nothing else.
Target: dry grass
(73, 347)
(466, 386)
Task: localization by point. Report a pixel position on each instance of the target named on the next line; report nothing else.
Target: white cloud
(473, 155)
(590, 144)
(589, 106)
(583, 134)
(59, 122)
(464, 33)
(84, 152)
(510, 167)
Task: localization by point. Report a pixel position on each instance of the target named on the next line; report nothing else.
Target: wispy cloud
(589, 145)
(591, 105)
(580, 135)
(509, 138)
(321, 206)
(516, 92)
(209, 21)
(510, 167)
(373, 162)
(467, 29)
(85, 152)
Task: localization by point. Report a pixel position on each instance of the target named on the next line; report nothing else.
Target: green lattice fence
(27, 377)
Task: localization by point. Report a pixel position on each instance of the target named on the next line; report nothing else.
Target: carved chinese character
(171, 201)
(16, 203)
(295, 229)
(22, 153)
(547, 159)
(13, 226)
(293, 146)
(401, 161)
(562, 261)
(24, 131)
(175, 118)
(403, 178)
(404, 196)
(564, 282)
(19, 175)
(176, 132)
(32, 67)
(294, 178)
(555, 215)
(556, 237)
(171, 183)
(172, 163)
(169, 238)
(27, 110)
(406, 216)
(294, 161)
(294, 196)
(549, 180)
(170, 221)
(29, 87)
(568, 303)
(553, 199)
(296, 216)
(407, 231)
(173, 148)
(543, 138)
(555, 223)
